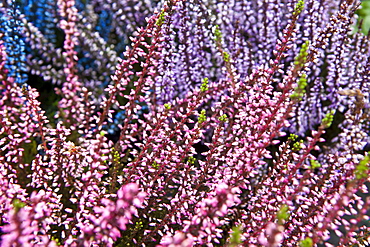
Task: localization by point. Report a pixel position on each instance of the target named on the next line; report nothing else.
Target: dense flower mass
(184, 123)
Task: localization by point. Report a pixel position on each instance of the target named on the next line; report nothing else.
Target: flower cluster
(184, 123)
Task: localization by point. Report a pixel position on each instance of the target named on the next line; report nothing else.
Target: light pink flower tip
(221, 188)
(178, 238)
(128, 191)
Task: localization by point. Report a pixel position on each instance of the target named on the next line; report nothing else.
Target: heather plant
(184, 123)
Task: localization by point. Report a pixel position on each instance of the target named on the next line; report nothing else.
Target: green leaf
(307, 242)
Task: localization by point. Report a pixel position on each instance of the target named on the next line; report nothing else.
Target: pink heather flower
(112, 216)
(272, 236)
(203, 226)
(178, 240)
(28, 224)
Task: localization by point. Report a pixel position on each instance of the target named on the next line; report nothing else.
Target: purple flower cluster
(184, 123)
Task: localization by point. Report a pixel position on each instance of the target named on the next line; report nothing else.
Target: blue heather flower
(12, 28)
(43, 16)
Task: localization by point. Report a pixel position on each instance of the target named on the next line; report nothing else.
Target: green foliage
(226, 56)
(298, 7)
(300, 90)
(297, 146)
(202, 117)
(283, 214)
(307, 242)
(138, 225)
(235, 238)
(223, 118)
(204, 86)
(155, 165)
(364, 16)
(191, 160)
(160, 19)
(218, 34)
(362, 169)
(315, 164)
(292, 137)
(116, 156)
(56, 240)
(167, 106)
(301, 58)
(328, 119)
(17, 204)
